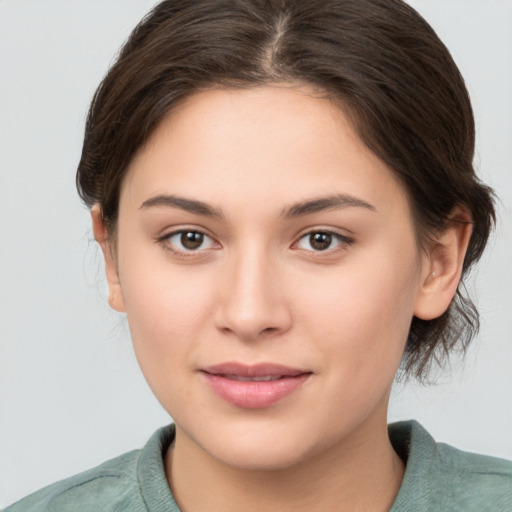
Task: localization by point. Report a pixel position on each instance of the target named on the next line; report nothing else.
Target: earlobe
(442, 267)
(115, 298)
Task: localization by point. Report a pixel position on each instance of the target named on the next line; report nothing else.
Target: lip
(254, 386)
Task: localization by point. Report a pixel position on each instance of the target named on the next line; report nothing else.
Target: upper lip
(255, 370)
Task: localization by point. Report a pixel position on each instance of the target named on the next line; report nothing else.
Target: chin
(268, 444)
(259, 458)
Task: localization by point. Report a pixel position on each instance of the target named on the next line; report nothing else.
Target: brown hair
(379, 59)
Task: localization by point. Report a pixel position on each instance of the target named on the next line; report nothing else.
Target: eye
(187, 241)
(319, 241)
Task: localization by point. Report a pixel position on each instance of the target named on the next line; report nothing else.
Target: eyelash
(165, 241)
(343, 242)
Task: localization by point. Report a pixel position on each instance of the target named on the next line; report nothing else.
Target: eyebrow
(299, 209)
(189, 205)
(333, 202)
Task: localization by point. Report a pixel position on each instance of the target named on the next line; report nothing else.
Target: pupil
(191, 240)
(320, 241)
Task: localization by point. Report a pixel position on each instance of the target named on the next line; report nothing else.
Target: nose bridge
(253, 302)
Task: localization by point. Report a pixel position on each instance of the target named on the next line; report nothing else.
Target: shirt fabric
(438, 478)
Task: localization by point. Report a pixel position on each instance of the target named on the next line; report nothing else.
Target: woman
(285, 198)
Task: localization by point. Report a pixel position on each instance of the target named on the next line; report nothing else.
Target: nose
(252, 301)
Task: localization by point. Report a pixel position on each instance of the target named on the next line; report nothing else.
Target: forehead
(271, 145)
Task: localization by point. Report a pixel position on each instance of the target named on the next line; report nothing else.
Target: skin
(257, 290)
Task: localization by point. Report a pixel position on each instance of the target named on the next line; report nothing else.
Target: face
(268, 266)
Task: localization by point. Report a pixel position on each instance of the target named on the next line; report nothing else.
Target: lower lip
(254, 394)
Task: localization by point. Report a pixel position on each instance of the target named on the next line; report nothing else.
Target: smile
(254, 387)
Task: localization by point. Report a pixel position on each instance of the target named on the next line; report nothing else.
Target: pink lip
(254, 394)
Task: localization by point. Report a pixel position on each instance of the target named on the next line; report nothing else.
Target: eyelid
(164, 241)
(343, 240)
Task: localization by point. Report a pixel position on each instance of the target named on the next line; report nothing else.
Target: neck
(360, 473)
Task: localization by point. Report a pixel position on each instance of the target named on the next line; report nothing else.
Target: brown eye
(320, 241)
(187, 241)
(327, 241)
(191, 240)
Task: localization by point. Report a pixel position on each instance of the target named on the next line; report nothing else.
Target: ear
(442, 266)
(115, 296)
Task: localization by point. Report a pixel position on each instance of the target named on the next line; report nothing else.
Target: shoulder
(440, 477)
(479, 480)
(95, 489)
(118, 484)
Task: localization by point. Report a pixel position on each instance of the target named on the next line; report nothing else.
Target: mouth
(262, 378)
(254, 386)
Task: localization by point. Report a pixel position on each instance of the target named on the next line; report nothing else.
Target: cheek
(168, 308)
(167, 314)
(361, 314)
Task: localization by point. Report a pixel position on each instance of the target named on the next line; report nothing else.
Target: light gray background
(71, 394)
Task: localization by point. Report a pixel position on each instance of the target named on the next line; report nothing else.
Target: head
(371, 71)
(379, 62)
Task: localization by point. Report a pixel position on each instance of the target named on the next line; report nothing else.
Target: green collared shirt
(438, 478)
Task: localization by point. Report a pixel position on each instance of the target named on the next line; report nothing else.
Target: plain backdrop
(71, 395)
